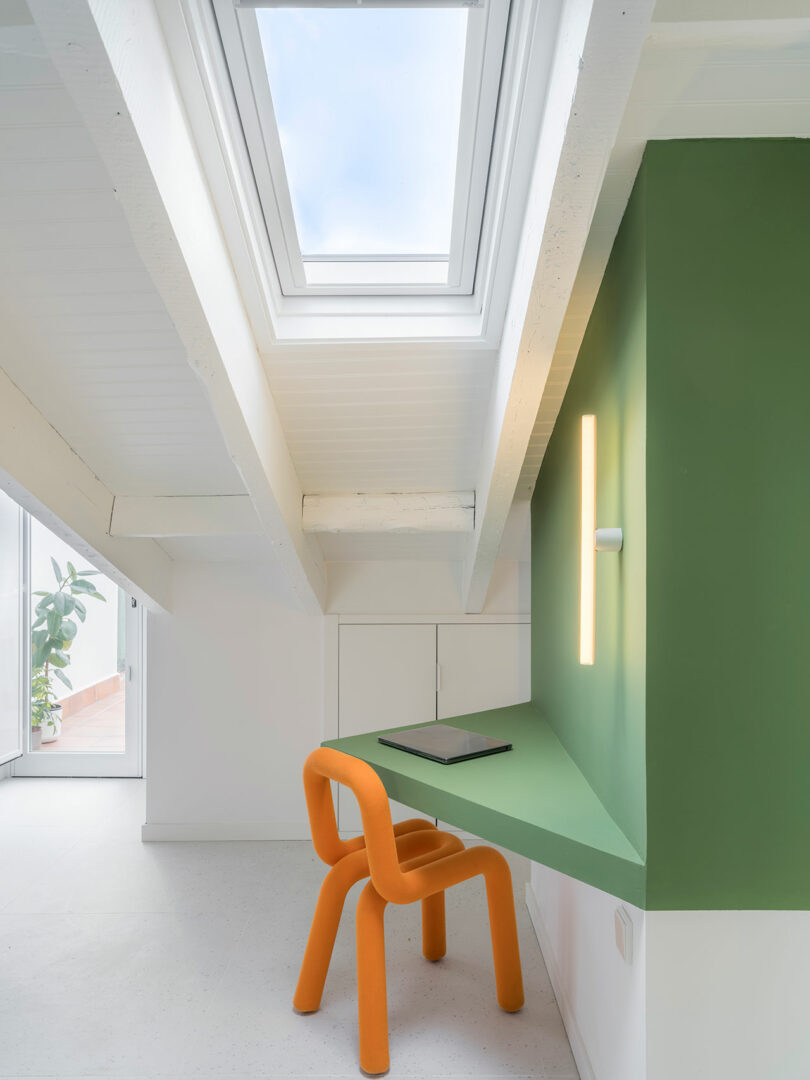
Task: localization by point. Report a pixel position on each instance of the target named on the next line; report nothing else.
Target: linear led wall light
(591, 541)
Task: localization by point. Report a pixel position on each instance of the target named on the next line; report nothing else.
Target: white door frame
(18, 662)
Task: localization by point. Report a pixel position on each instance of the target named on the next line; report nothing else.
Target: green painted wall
(598, 712)
(699, 345)
(728, 526)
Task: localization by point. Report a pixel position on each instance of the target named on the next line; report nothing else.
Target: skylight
(367, 104)
(369, 129)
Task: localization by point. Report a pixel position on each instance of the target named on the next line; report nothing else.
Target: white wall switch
(623, 926)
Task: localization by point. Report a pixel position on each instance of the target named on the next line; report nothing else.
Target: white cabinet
(387, 678)
(482, 666)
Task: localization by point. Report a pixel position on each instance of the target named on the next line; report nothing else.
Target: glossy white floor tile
(133, 961)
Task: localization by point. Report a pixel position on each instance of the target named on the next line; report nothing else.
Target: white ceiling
(380, 419)
(88, 339)
(85, 334)
(716, 77)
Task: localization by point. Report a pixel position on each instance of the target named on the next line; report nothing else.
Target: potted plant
(52, 634)
(45, 713)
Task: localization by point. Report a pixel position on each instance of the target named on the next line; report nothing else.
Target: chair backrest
(326, 764)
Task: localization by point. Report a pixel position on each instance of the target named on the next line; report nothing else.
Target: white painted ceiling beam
(673, 99)
(183, 515)
(113, 60)
(45, 476)
(596, 55)
(434, 512)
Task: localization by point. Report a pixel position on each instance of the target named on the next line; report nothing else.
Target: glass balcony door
(81, 668)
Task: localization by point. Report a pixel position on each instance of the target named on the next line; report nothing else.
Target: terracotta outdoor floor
(98, 728)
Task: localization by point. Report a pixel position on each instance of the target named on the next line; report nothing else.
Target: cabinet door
(481, 667)
(387, 678)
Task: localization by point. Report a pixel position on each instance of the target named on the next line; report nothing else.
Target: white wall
(240, 682)
(401, 586)
(711, 995)
(728, 995)
(236, 693)
(234, 705)
(418, 587)
(94, 653)
(602, 998)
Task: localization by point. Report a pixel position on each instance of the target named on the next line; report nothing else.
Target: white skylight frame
(373, 275)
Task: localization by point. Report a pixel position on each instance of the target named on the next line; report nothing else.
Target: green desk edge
(532, 799)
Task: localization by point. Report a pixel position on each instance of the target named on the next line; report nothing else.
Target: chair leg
(503, 929)
(371, 989)
(434, 935)
(325, 922)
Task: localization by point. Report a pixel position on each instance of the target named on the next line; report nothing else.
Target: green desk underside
(532, 799)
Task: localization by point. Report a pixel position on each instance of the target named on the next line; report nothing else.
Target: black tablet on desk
(445, 744)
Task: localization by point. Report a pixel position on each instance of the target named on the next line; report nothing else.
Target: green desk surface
(532, 799)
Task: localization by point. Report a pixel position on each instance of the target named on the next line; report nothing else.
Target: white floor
(130, 960)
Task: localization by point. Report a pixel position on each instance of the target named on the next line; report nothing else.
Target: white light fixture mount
(608, 539)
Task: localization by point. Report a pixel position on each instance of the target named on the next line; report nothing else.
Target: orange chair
(407, 862)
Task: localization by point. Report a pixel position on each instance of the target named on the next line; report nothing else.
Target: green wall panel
(598, 712)
(693, 726)
(728, 530)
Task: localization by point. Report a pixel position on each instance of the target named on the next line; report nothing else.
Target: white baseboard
(586, 1070)
(224, 830)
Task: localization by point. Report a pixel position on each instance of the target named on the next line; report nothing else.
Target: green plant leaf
(89, 573)
(56, 569)
(58, 659)
(39, 622)
(81, 586)
(81, 610)
(40, 594)
(45, 601)
(38, 646)
(54, 623)
(70, 603)
(69, 629)
(59, 602)
(61, 675)
(98, 596)
(71, 569)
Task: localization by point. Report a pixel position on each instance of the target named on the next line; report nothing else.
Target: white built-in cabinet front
(391, 675)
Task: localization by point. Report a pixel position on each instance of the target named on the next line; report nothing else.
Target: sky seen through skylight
(367, 103)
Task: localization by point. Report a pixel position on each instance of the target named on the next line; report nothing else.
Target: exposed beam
(113, 60)
(596, 55)
(751, 29)
(184, 515)
(45, 476)
(441, 511)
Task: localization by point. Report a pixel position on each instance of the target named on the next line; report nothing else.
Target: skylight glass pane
(367, 103)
